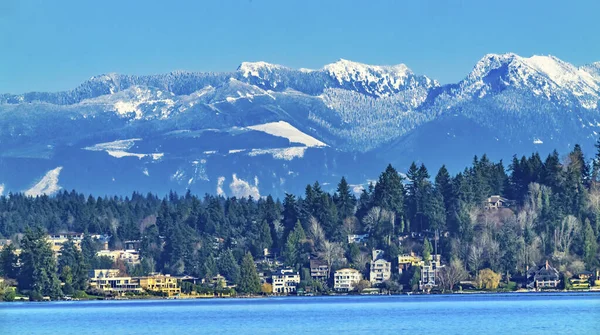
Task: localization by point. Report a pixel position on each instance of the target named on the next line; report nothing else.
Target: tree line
(555, 216)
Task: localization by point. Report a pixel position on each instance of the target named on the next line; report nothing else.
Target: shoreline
(408, 294)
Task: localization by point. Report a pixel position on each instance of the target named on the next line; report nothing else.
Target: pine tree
(38, 265)
(249, 281)
(427, 249)
(71, 258)
(389, 192)
(344, 200)
(228, 266)
(293, 245)
(9, 262)
(590, 246)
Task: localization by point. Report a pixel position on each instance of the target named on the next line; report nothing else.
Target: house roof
(315, 263)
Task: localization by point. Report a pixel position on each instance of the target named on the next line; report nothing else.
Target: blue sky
(55, 45)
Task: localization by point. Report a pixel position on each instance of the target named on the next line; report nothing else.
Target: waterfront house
(380, 269)
(345, 280)
(161, 283)
(110, 281)
(319, 270)
(405, 261)
(429, 273)
(582, 280)
(543, 277)
(284, 281)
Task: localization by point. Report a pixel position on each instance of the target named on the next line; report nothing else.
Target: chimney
(105, 245)
(547, 266)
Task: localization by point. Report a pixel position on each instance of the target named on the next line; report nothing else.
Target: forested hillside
(554, 215)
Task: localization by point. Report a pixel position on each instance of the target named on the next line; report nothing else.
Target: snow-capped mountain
(267, 128)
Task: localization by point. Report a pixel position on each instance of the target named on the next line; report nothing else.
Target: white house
(380, 269)
(353, 238)
(345, 280)
(285, 281)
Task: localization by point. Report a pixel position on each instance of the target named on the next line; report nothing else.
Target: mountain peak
(255, 68)
(385, 77)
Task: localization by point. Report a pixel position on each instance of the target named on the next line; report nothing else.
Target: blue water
(433, 314)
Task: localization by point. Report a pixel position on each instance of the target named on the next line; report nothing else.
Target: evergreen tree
(249, 281)
(293, 245)
(590, 246)
(291, 214)
(228, 266)
(344, 200)
(9, 262)
(71, 258)
(427, 250)
(389, 192)
(38, 265)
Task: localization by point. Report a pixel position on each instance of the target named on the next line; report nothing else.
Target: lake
(424, 314)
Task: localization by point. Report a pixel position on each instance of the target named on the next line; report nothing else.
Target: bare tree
(350, 225)
(378, 218)
(332, 253)
(565, 233)
(316, 234)
(449, 275)
(475, 257)
(361, 261)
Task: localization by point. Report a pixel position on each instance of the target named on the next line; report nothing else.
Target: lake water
(433, 314)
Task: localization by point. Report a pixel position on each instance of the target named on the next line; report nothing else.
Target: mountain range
(267, 128)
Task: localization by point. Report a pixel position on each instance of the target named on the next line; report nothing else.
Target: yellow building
(406, 261)
(161, 283)
(57, 240)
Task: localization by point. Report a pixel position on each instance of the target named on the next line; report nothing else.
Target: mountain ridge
(207, 126)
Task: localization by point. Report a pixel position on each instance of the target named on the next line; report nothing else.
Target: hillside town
(426, 270)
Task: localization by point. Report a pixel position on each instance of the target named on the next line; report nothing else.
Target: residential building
(380, 269)
(496, 202)
(285, 281)
(161, 283)
(57, 240)
(353, 238)
(133, 245)
(109, 280)
(319, 270)
(544, 277)
(127, 256)
(405, 261)
(428, 273)
(582, 280)
(345, 280)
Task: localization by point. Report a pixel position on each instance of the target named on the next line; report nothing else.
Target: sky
(56, 45)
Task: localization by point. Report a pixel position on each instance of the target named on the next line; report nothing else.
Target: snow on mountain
(114, 145)
(244, 189)
(47, 185)
(207, 124)
(347, 71)
(280, 153)
(545, 76)
(1, 189)
(593, 69)
(118, 149)
(257, 68)
(286, 130)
